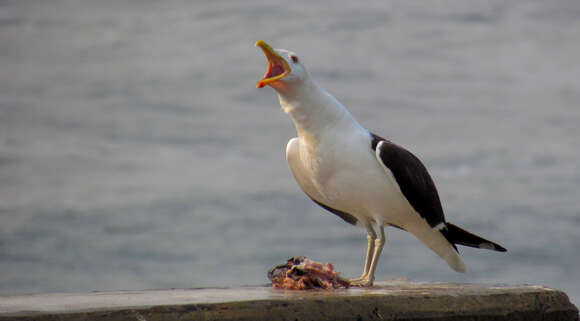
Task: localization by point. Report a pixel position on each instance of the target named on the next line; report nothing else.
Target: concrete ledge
(391, 300)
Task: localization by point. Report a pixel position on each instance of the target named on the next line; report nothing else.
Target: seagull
(364, 179)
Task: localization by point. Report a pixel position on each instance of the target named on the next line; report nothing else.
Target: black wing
(343, 215)
(412, 178)
(419, 189)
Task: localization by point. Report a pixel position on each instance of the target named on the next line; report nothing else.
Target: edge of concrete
(400, 300)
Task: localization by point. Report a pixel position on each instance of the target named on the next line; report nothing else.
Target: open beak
(278, 68)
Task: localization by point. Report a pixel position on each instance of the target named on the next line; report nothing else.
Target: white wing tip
(486, 246)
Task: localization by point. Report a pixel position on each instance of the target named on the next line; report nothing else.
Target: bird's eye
(294, 58)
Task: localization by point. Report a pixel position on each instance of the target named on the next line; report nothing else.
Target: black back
(413, 179)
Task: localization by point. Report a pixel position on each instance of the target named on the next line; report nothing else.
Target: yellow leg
(374, 249)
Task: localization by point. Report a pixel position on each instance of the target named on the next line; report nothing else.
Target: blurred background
(136, 152)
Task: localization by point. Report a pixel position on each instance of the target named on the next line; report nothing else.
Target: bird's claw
(362, 281)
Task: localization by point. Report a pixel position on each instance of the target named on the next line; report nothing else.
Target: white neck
(313, 109)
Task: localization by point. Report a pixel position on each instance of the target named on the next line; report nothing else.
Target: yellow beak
(278, 68)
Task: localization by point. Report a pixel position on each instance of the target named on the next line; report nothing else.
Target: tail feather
(438, 243)
(456, 235)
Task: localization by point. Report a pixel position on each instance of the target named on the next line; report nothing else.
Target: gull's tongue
(274, 70)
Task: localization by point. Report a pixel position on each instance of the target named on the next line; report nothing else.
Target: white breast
(342, 172)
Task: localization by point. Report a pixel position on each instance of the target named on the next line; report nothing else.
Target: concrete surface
(400, 300)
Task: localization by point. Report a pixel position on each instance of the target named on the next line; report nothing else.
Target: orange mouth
(278, 68)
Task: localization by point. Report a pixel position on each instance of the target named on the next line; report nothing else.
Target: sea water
(136, 152)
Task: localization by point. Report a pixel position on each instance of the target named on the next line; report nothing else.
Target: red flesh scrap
(302, 273)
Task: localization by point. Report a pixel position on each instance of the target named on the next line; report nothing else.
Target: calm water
(136, 153)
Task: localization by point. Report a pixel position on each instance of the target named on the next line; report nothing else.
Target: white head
(309, 106)
(285, 69)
